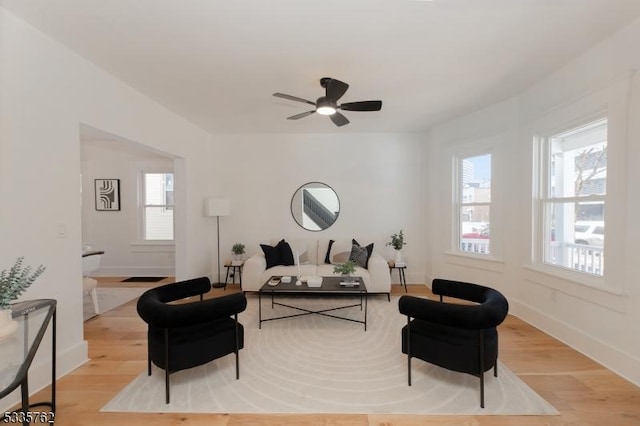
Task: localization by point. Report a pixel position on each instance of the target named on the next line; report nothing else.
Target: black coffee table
(330, 287)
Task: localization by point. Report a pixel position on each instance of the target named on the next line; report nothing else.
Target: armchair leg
(481, 350)
(166, 365)
(237, 349)
(148, 357)
(495, 365)
(409, 350)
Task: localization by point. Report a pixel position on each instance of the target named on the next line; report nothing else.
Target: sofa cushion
(369, 249)
(288, 271)
(340, 251)
(279, 255)
(305, 249)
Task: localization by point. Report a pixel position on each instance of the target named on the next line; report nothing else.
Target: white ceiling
(217, 62)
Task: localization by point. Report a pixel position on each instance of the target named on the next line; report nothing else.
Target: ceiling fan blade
(339, 119)
(301, 115)
(293, 98)
(362, 106)
(335, 89)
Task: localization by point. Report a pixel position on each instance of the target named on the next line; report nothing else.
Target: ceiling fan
(328, 104)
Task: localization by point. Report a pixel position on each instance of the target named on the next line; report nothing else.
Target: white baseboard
(412, 278)
(128, 271)
(40, 372)
(623, 364)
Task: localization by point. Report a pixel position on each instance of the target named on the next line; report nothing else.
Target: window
(473, 203)
(157, 206)
(573, 184)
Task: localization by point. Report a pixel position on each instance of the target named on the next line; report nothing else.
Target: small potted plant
(238, 250)
(13, 283)
(346, 269)
(397, 242)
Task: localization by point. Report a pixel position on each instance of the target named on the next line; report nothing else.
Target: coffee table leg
(365, 312)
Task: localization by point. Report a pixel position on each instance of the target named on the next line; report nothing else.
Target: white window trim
(477, 147)
(142, 244)
(541, 168)
(611, 102)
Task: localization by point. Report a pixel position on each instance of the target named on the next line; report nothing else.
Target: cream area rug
(314, 364)
(109, 298)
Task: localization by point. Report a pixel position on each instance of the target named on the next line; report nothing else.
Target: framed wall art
(107, 194)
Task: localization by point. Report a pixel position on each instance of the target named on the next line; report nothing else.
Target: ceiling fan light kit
(328, 104)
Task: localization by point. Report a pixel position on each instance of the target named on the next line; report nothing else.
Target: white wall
(377, 178)
(116, 232)
(600, 322)
(46, 93)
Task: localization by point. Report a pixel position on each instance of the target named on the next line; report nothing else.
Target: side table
(17, 353)
(401, 267)
(234, 268)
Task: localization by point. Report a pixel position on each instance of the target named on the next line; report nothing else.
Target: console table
(234, 268)
(17, 353)
(401, 267)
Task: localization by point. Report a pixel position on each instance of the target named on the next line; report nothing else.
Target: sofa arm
(252, 272)
(379, 274)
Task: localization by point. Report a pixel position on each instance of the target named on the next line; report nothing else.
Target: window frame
(143, 207)
(542, 198)
(458, 203)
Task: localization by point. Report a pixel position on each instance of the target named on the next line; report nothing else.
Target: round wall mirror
(315, 206)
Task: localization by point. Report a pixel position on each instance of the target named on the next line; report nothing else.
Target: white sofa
(312, 254)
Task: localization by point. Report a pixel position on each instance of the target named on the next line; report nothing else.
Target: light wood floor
(583, 391)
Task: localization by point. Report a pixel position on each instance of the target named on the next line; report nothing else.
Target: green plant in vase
(346, 269)
(397, 242)
(13, 283)
(238, 250)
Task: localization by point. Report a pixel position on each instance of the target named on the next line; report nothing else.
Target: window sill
(485, 262)
(589, 288)
(153, 247)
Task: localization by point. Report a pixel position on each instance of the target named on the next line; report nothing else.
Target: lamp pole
(217, 283)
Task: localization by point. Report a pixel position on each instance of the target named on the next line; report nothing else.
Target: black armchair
(458, 337)
(186, 335)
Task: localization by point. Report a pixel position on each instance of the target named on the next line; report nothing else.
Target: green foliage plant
(238, 248)
(347, 268)
(16, 280)
(397, 241)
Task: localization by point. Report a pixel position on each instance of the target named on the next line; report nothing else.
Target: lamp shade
(217, 207)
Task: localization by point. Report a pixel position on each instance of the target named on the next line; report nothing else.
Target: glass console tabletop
(16, 355)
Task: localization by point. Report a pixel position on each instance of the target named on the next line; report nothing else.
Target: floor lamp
(217, 207)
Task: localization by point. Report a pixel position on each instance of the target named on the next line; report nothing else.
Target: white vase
(347, 278)
(398, 258)
(7, 324)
